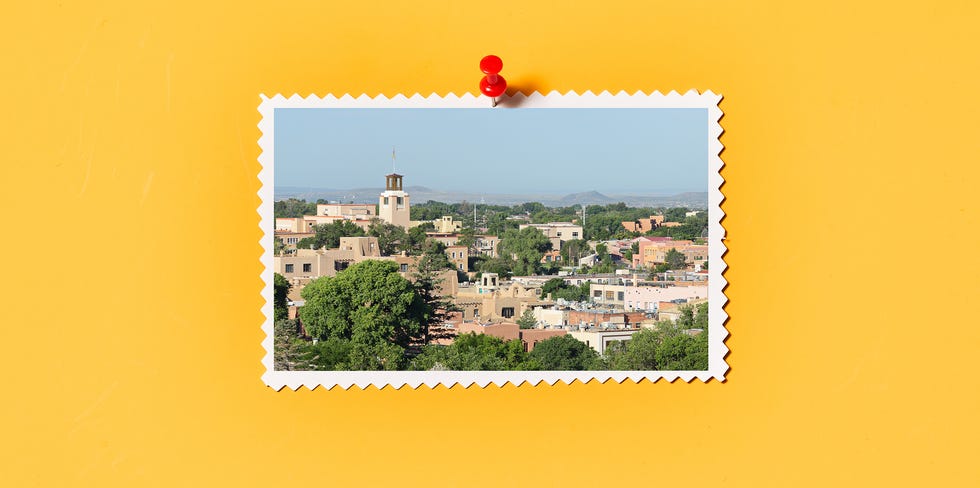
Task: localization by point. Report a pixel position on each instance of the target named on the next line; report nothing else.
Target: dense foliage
(281, 287)
(525, 249)
(565, 353)
(473, 352)
(293, 208)
(667, 347)
(368, 303)
(559, 289)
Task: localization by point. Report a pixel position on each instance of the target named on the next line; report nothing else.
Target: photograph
(491, 239)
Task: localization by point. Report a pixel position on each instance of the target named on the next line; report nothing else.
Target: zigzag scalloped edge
(327, 380)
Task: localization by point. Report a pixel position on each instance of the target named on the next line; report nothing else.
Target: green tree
(601, 250)
(434, 256)
(500, 265)
(676, 214)
(414, 241)
(427, 281)
(391, 238)
(379, 356)
(527, 320)
(675, 259)
(281, 287)
(332, 354)
(666, 348)
(293, 208)
(368, 303)
(497, 224)
(525, 247)
(574, 249)
(559, 289)
(474, 352)
(552, 286)
(564, 353)
(288, 349)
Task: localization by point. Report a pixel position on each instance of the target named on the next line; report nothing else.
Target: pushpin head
(491, 65)
(493, 90)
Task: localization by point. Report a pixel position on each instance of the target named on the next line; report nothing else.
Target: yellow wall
(862, 110)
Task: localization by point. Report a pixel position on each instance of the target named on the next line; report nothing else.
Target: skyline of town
(523, 287)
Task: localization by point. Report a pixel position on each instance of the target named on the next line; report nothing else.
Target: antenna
(392, 159)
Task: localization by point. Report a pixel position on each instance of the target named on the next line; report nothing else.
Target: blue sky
(552, 151)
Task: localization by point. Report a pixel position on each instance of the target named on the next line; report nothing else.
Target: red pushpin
(492, 85)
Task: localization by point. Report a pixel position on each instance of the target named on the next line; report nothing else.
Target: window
(401, 202)
(403, 268)
(307, 267)
(609, 295)
(460, 266)
(386, 201)
(574, 234)
(619, 296)
(289, 268)
(507, 312)
(340, 265)
(597, 293)
(559, 233)
(292, 240)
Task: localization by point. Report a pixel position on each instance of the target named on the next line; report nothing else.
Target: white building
(598, 339)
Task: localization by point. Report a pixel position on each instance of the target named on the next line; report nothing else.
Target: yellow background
(131, 320)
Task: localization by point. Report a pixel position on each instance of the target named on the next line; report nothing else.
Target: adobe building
(507, 331)
(358, 211)
(490, 301)
(644, 225)
(654, 251)
(290, 239)
(306, 265)
(460, 257)
(446, 225)
(558, 232)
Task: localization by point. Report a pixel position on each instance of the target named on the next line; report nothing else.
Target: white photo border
(717, 317)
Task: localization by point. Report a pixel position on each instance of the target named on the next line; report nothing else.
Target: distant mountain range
(421, 194)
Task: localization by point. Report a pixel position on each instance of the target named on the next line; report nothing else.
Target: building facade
(447, 225)
(558, 232)
(599, 339)
(654, 251)
(359, 211)
(460, 257)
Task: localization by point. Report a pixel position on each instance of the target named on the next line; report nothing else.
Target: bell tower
(393, 205)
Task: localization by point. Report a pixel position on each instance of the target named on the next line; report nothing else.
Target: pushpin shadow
(522, 86)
